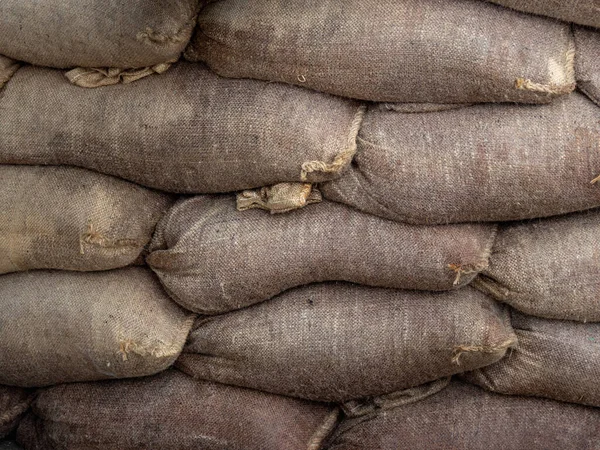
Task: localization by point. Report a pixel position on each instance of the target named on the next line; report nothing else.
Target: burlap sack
(186, 131)
(587, 65)
(338, 342)
(213, 259)
(467, 418)
(478, 163)
(73, 219)
(584, 12)
(171, 411)
(548, 268)
(438, 51)
(94, 33)
(14, 402)
(8, 67)
(554, 359)
(59, 327)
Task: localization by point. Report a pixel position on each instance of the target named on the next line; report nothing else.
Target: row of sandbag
(400, 51)
(173, 411)
(191, 131)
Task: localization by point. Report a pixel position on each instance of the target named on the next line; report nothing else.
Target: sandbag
(8, 67)
(584, 12)
(60, 327)
(73, 219)
(339, 342)
(171, 411)
(213, 259)
(468, 418)
(14, 403)
(478, 163)
(548, 268)
(555, 359)
(587, 66)
(432, 51)
(93, 33)
(188, 131)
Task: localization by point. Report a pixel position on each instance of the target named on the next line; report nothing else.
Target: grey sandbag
(548, 268)
(339, 341)
(171, 411)
(584, 12)
(8, 67)
(433, 51)
(213, 259)
(95, 33)
(587, 63)
(14, 403)
(478, 163)
(555, 359)
(188, 131)
(468, 418)
(73, 219)
(61, 327)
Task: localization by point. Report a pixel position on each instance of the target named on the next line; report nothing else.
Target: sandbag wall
(303, 225)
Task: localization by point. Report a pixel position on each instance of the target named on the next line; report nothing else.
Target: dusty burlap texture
(584, 12)
(171, 411)
(8, 67)
(60, 327)
(587, 63)
(73, 219)
(478, 163)
(548, 268)
(94, 33)
(339, 341)
(213, 259)
(555, 359)
(14, 403)
(468, 418)
(433, 51)
(187, 131)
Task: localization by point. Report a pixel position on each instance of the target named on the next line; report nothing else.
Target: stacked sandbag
(424, 51)
(587, 67)
(8, 67)
(213, 259)
(61, 326)
(172, 411)
(584, 12)
(14, 403)
(466, 417)
(554, 359)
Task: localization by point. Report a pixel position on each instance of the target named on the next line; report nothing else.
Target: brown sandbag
(555, 359)
(60, 327)
(584, 12)
(94, 33)
(548, 268)
(587, 65)
(468, 418)
(171, 411)
(478, 163)
(73, 219)
(213, 259)
(8, 67)
(188, 131)
(433, 51)
(339, 342)
(14, 403)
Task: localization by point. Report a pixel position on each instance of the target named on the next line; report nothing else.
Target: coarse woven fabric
(548, 268)
(339, 342)
(61, 327)
(170, 411)
(73, 219)
(14, 403)
(554, 359)
(8, 67)
(94, 33)
(432, 51)
(584, 12)
(478, 163)
(587, 66)
(187, 131)
(464, 417)
(212, 258)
